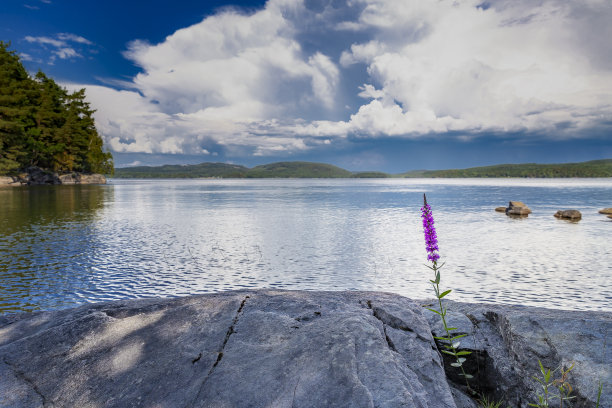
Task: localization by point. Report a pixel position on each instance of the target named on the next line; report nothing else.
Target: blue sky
(388, 85)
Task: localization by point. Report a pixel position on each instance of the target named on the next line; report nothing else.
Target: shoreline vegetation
(300, 169)
(44, 127)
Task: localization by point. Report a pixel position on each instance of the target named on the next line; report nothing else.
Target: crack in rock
(22, 376)
(228, 334)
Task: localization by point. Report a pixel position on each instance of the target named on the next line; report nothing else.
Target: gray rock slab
(234, 349)
(507, 342)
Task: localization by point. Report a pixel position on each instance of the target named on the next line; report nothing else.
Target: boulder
(92, 179)
(507, 341)
(517, 208)
(79, 178)
(573, 215)
(37, 176)
(606, 211)
(500, 209)
(609, 216)
(70, 178)
(235, 349)
(9, 181)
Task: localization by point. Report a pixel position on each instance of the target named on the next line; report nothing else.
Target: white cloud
(74, 38)
(66, 52)
(278, 80)
(61, 44)
(45, 41)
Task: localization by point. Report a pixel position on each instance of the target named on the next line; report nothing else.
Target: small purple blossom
(431, 239)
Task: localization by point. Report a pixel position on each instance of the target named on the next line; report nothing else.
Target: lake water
(62, 246)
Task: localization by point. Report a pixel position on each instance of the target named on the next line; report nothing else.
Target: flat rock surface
(234, 349)
(266, 348)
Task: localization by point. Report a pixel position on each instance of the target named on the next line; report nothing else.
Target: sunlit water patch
(66, 245)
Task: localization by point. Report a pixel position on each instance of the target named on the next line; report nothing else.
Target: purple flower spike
(431, 239)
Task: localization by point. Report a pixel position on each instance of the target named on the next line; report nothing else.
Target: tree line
(43, 125)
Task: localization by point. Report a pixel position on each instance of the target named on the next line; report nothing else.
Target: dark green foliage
(223, 170)
(370, 174)
(43, 125)
(595, 168)
(202, 170)
(297, 170)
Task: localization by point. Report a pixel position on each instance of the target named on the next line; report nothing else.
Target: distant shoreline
(297, 169)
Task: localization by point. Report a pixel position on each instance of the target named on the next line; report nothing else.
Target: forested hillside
(43, 125)
(594, 168)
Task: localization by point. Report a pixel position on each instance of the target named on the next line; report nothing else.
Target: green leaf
(468, 376)
(464, 353)
(444, 293)
(448, 352)
(434, 310)
(441, 338)
(458, 336)
(456, 365)
(461, 360)
(456, 344)
(451, 328)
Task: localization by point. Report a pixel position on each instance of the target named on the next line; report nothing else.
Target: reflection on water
(46, 243)
(67, 245)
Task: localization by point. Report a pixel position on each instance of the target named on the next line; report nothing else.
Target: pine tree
(42, 125)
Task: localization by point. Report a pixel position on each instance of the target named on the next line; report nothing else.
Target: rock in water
(236, 349)
(606, 211)
(517, 208)
(573, 215)
(500, 209)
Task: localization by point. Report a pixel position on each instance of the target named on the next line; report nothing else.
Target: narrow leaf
(444, 293)
(440, 338)
(448, 352)
(458, 336)
(456, 364)
(464, 353)
(434, 310)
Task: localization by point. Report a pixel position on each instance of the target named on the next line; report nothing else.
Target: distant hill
(594, 168)
(298, 170)
(223, 170)
(202, 170)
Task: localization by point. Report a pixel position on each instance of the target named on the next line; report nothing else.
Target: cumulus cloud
(278, 79)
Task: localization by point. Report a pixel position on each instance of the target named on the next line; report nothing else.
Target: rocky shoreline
(37, 176)
(270, 348)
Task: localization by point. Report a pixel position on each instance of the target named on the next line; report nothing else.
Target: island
(47, 134)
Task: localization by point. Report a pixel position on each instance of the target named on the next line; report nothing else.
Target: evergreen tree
(42, 125)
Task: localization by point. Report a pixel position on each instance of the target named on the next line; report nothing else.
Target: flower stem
(451, 348)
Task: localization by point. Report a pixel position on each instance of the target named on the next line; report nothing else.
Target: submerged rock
(573, 215)
(269, 348)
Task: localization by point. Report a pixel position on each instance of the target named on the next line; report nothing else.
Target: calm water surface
(66, 245)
